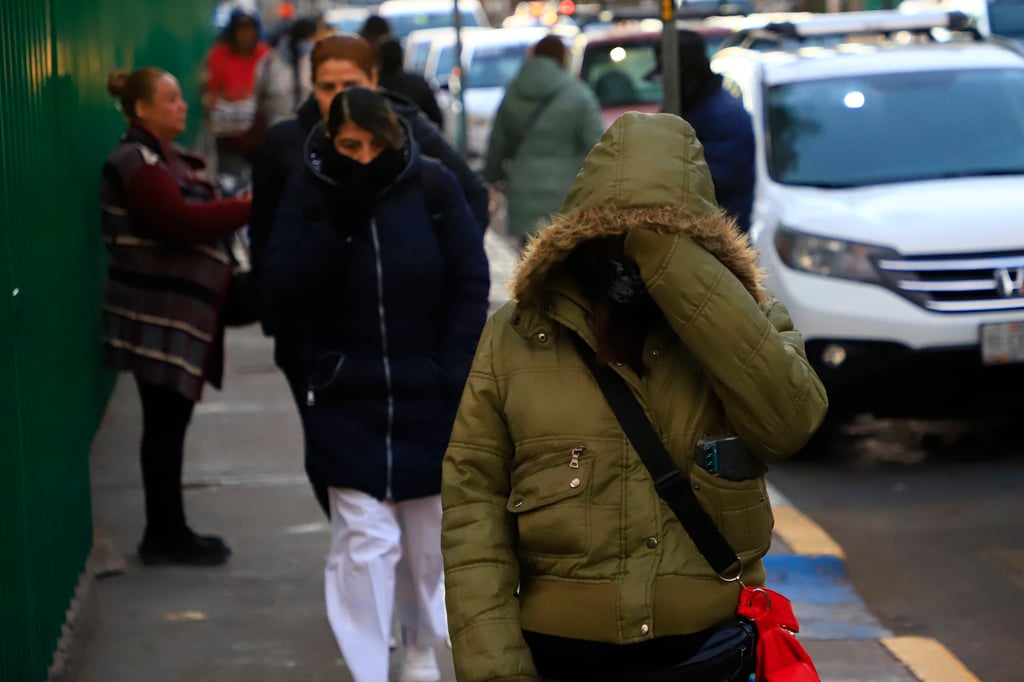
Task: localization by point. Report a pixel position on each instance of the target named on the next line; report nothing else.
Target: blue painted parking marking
(824, 600)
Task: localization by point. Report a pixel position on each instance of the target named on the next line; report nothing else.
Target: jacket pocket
(740, 509)
(551, 508)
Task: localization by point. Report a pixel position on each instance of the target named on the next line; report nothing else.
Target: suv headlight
(830, 257)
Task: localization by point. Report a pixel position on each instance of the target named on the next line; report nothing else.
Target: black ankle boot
(182, 547)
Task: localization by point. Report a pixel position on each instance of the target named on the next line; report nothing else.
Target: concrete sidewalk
(261, 617)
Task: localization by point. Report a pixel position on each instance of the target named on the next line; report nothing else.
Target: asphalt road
(931, 516)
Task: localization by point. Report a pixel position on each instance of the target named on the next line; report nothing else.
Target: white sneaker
(420, 665)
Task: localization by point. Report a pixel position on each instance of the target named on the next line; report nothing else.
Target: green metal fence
(56, 125)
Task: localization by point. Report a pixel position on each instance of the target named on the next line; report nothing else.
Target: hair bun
(116, 81)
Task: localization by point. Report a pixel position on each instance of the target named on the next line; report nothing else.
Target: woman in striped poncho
(169, 275)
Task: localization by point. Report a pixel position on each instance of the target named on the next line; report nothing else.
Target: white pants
(382, 552)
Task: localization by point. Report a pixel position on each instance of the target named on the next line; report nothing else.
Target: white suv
(889, 208)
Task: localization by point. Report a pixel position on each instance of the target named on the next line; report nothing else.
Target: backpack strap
(433, 194)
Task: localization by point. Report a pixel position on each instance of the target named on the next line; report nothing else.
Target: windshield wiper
(826, 185)
(981, 173)
(989, 172)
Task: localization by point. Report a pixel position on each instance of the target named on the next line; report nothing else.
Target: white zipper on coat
(389, 453)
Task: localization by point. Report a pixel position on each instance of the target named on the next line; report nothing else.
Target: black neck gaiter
(359, 186)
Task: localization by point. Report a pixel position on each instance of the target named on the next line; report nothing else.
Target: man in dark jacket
(338, 62)
(374, 29)
(411, 85)
(722, 125)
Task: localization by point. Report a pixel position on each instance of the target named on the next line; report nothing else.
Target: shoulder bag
(761, 638)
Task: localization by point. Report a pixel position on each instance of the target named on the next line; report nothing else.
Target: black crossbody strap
(534, 115)
(671, 484)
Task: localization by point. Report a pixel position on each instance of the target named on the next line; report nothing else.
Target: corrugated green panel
(57, 123)
(24, 43)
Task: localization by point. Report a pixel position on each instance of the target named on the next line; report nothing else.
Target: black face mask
(374, 176)
(352, 200)
(625, 285)
(386, 168)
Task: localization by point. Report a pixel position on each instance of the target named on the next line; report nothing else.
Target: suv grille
(973, 283)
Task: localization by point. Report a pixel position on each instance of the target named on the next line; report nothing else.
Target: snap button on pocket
(574, 483)
(542, 337)
(644, 629)
(517, 504)
(651, 543)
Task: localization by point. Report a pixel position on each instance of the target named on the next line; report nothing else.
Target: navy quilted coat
(377, 325)
(723, 126)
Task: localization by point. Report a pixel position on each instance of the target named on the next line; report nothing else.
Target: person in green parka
(561, 560)
(545, 126)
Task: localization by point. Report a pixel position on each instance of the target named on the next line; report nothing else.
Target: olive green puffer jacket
(551, 522)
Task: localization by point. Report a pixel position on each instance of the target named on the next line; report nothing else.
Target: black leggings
(165, 418)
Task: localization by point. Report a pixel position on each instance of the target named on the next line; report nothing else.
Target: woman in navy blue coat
(376, 286)
(722, 125)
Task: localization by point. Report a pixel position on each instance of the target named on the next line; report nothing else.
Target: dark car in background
(618, 63)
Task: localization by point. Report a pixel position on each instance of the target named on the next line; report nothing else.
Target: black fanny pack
(726, 656)
(723, 653)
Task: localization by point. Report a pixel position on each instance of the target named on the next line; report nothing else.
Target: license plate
(1002, 344)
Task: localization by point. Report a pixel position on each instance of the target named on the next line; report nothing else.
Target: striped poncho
(169, 271)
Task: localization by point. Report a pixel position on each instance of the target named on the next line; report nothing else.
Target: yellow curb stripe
(929, 660)
(803, 535)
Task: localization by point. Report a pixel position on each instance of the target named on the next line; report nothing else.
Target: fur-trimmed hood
(647, 172)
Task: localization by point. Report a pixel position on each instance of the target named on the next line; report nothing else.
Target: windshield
(347, 24)
(623, 72)
(713, 43)
(404, 24)
(1006, 18)
(896, 127)
(495, 66)
(418, 56)
(618, 73)
(445, 64)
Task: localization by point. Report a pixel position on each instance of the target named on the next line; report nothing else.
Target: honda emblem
(1010, 282)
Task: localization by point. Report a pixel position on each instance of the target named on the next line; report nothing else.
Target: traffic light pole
(460, 128)
(670, 58)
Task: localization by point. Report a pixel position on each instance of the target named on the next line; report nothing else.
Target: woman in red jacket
(229, 91)
(168, 280)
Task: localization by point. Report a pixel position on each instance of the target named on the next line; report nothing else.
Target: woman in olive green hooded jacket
(560, 558)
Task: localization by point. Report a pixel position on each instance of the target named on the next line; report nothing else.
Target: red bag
(780, 657)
